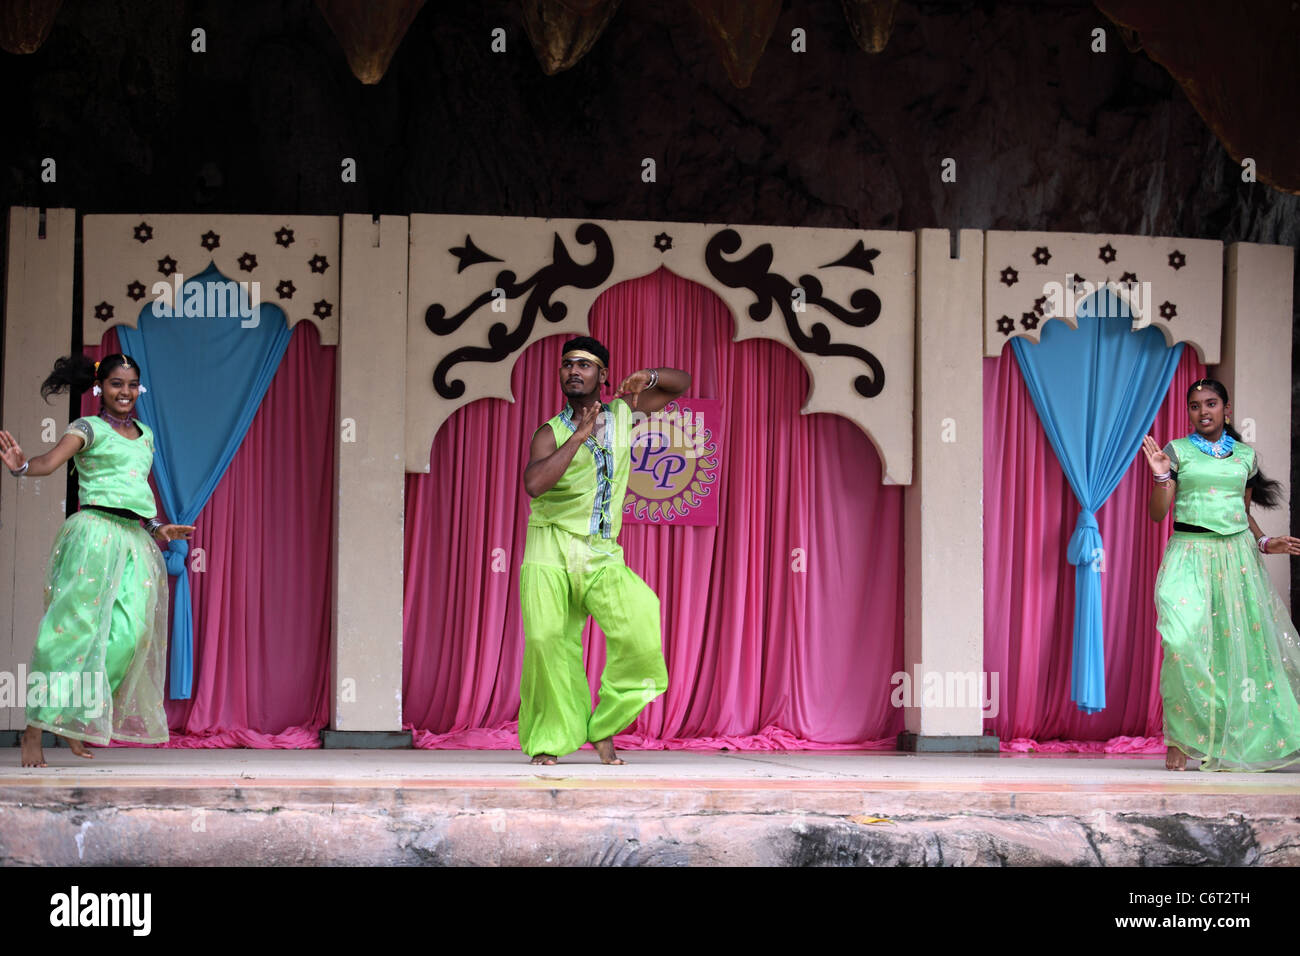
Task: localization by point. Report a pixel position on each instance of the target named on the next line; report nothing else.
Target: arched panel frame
(131, 260)
(483, 289)
(1173, 284)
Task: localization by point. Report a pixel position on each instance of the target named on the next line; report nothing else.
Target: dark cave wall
(1046, 134)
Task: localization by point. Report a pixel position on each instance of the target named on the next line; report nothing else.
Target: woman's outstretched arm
(12, 455)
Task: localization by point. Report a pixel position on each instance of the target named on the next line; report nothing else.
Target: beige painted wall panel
(38, 329)
(1256, 369)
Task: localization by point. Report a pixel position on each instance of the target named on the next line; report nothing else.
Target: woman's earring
(96, 391)
(1228, 420)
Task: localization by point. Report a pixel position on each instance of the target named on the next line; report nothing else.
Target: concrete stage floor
(409, 807)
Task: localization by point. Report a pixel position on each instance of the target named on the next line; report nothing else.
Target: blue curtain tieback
(174, 556)
(1085, 543)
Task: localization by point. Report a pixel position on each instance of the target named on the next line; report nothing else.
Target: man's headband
(584, 354)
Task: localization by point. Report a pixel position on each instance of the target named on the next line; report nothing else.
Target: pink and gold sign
(675, 461)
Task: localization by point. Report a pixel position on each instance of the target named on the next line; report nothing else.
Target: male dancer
(573, 566)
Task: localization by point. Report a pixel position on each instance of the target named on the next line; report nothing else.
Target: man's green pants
(563, 578)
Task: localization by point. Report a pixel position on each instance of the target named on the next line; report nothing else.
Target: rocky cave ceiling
(1241, 72)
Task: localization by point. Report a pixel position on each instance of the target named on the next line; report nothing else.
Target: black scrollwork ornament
(753, 272)
(503, 341)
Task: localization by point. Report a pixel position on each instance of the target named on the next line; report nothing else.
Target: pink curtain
(1029, 515)
(262, 619)
(761, 654)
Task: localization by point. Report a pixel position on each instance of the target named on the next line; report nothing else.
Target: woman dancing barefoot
(98, 664)
(1231, 673)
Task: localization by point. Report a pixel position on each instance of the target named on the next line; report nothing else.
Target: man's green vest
(588, 498)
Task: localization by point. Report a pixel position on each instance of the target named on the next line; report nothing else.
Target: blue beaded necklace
(1219, 449)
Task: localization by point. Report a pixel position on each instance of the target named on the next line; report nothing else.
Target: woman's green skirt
(1231, 673)
(99, 663)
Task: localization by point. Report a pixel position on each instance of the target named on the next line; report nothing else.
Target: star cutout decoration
(166, 265)
(1128, 278)
(135, 291)
(1010, 276)
(103, 311)
(1041, 256)
(1040, 305)
(323, 310)
(1029, 320)
(247, 262)
(144, 232)
(210, 240)
(1177, 260)
(1106, 253)
(1005, 325)
(318, 263)
(285, 289)
(1078, 282)
(284, 237)
(1168, 310)
(663, 242)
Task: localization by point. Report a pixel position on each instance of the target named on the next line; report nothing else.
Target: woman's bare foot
(33, 755)
(1175, 759)
(605, 748)
(78, 747)
(544, 760)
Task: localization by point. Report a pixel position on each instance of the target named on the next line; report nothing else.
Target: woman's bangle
(19, 472)
(1262, 543)
(654, 378)
(152, 526)
(1166, 476)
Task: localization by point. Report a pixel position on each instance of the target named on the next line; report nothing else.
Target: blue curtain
(1097, 390)
(207, 361)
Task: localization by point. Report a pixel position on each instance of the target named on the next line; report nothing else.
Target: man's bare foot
(78, 747)
(33, 755)
(1175, 759)
(605, 748)
(544, 760)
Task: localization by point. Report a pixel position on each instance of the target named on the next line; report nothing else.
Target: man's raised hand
(633, 385)
(587, 421)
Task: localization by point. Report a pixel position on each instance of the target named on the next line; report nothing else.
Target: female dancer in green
(1231, 673)
(98, 664)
